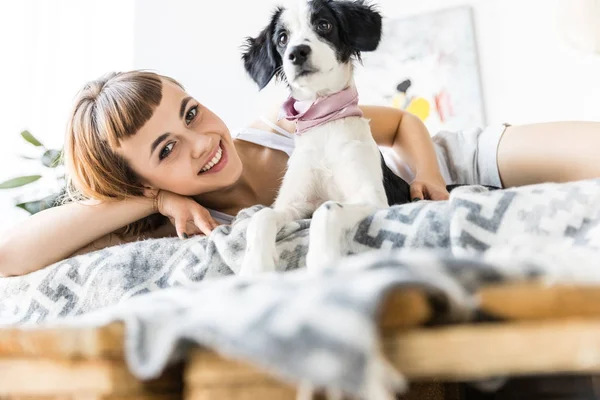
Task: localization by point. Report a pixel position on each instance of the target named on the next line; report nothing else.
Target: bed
(487, 284)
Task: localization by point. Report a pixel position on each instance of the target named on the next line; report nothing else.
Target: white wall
(528, 72)
(48, 50)
(197, 43)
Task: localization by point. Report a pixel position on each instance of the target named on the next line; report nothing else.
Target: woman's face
(184, 148)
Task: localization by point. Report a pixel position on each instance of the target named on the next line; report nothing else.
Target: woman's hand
(428, 188)
(188, 217)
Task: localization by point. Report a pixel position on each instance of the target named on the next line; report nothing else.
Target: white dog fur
(335, 170)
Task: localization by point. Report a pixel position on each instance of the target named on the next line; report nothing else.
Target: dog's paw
(317, 260)
(258, 262)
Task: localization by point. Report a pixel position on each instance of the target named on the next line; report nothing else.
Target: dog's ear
(260, 56)
(360, 24)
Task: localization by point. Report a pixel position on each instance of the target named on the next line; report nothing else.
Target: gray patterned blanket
(317, 328)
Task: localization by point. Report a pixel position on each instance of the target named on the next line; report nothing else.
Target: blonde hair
(106, 111)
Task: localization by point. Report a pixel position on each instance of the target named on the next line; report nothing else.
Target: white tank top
(282, 140)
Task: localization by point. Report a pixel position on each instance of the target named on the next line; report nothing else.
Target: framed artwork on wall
(427, 65)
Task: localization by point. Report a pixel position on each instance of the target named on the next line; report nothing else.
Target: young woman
(139, 148)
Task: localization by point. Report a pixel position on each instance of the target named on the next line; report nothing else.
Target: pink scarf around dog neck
(309, 114)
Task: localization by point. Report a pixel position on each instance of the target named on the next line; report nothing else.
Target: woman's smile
(216, 161)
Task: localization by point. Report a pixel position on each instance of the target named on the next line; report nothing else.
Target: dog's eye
(324, 26)
(282, 39)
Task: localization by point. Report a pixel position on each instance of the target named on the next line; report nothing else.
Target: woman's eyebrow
(183, 104)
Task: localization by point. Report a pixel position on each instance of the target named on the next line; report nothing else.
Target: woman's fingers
(428, 191)
(192, 229)
(204, 221)
(416, 192)
(202, 224)
(181, 228)
(440, 195)
(436, 192)
(192, 221)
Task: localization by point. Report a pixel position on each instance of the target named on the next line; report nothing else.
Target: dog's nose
(299, 54)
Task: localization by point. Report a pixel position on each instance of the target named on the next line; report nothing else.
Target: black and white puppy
(335, 170)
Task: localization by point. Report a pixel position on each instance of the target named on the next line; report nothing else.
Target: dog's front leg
(358, 177)
(291, 204)
(328, 229)
(261, 251)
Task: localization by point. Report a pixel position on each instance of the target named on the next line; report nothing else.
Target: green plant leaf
(31, 139)
(36, 206)
(20, 181)
(52, 158)
(32, 207)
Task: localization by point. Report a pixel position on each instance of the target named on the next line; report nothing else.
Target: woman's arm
(410, 139)
(114, 239)
(406, 134)
(54, 234)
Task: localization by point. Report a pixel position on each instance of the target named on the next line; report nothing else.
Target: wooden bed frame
(545, 330)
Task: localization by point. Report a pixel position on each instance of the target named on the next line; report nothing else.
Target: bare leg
(549, 152)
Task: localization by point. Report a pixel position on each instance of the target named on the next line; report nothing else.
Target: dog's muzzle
(299, 55)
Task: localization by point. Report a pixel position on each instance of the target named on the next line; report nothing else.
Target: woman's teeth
(214, 160)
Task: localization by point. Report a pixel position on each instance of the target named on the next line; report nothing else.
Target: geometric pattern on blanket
(547, 232)
(473, 222)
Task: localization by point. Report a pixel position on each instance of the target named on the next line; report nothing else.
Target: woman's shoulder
(268, 133)
(265, 124)
(269, 121)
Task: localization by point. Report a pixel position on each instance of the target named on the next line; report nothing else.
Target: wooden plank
(72, 343)
(530, 301)
(520, 301)
(258, 391)
(41, 377)
(207, 369)
(84, 396)
(265, 391)
(487, 350)
(457, 353)
(403, 308)
(210, 376)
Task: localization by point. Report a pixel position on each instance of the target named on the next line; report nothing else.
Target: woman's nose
(201, 146)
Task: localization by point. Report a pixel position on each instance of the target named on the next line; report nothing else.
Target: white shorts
(465, 157)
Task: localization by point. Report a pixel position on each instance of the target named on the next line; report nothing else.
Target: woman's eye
(282, 39)
(324, 26)
(191, 114)
(166, 151)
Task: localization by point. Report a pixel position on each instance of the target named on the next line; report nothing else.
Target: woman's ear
(150, 191)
